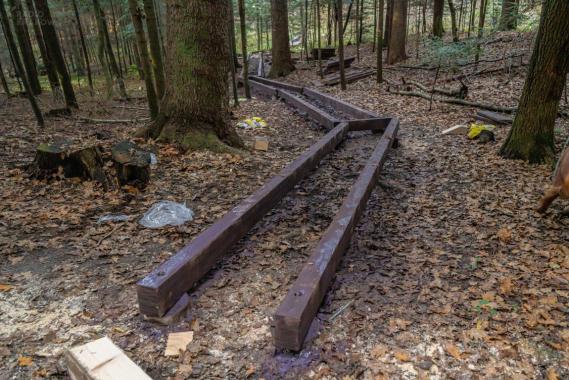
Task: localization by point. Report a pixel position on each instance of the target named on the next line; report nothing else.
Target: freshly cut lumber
(162, 288)
(493, 117)
(102, 360)
(315, 113)
(294, 315)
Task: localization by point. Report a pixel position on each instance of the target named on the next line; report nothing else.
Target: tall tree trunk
(481, 21)
(116, 35)
(18, 63)
(453, 20)
(243, 25)
(282, 61)
(379, 46)
(232, 35)
(23, 37)
(388, 20)
(135, 13)
(54, 51)
(397, 37)
(155, 49)
(83, 45)
(339, 11)
(47, 61)
(472, 16)
(4, 82)
(319, 39)
(232, 54)
(531, 137)
(194, 111)
(438, 10)
(508, 18)
(329, 24)
(112, 62)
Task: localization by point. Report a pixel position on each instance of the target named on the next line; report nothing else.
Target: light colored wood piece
(177, 342)
(102, 360)
(460, 129)
(261, 143)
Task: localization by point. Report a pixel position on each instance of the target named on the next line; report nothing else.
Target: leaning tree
(531, 137)
(194, 112)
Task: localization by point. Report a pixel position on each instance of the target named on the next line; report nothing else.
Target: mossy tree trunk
(194, 112)
(531, 137)
(397, 35)
(438, 11)
(282, 62)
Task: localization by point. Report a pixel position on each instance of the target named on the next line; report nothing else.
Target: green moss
(196, 139)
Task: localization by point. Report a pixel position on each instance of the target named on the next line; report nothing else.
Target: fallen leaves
(25, 361)
(504, 235)
(453, 351)
(402, 356)
(506, 286)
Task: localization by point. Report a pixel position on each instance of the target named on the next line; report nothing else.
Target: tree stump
(85, 162)
(132, 164)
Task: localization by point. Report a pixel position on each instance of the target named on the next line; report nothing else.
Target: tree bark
(23, 37)
(155, 48)
(194, 111)
(453, 20)
(243, 26)
(388, 20)
(136, 16)
(379, 46)
(531, 137)
(319, 39)
(339, 9)
(438, 10)
(4, 82)
(54, 51)
(282, 61)
(83, 45)
(508, 18)
(18, 63)
(397, 37)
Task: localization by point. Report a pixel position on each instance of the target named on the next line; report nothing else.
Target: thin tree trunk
(357, 17)
(243, 25)
(374, 26)
(481, 20)
(396, 51)
(18, 63)
(453, 20)
(155, 49)
(339, 9)
(388, 20)
(319, 41)
(116, 35)
(531, 137)
(282, 61)
(232, 54)
(54, 51)
(472, 16)
(4, 82)
(83, 45)
(379, 46)
(23, 37)
(136, 16)
(438, 10)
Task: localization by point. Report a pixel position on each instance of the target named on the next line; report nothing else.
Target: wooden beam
(277, 84)
(375, 124)
(295, 314)
(263, 89)
(339, 105)
(162, 288)
(315, 113)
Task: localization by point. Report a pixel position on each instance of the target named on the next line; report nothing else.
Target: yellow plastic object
(254, 122)
(476, 129)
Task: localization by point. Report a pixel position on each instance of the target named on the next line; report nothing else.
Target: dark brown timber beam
(375, 125)
(338, 104)
(315, 113)
(277, 84)
(162, 288)
(295, 314)
(263, 89)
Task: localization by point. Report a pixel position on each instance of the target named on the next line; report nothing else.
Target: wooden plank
(277, 84)
(375, 125)
(102, 360)
(295, 314)
(494, 117)
(162, 288)
(333, 66)
(350, 77)
(263, 89)
(313, 112)
(325, 53)
(338, 104)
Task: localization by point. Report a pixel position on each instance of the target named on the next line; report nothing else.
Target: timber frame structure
(164, 291)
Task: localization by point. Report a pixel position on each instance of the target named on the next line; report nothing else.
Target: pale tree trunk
(397, 36)
(531, 137)
(508, 18)
(18, 63)
(453, 20)
(135, 13)
(282, 62)
(438, 10)
(339, 12)
(54, 51)
(194, 112)
(155, 47)
(23, 37)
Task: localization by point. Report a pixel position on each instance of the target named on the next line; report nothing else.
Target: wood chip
(177, 342)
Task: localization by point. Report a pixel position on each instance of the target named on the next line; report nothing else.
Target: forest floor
(451, 272)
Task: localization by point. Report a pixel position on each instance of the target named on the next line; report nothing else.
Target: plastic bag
(476, 129)
(113, 218)
(166, 213)
(254, 122)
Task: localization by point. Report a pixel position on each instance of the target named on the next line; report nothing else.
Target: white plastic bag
(166, 213)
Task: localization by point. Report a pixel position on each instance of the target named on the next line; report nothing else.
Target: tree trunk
(232, 58)
(508, 18)
(135, 13)
(397, 36)
(282, 62)
(155, 49)
(339, 11)
(47, 62)
(194, 111)
(243, 26)
(379, 46)
(116, 35)
(54, 51)
(481, 21)
(531, 137)
(453, 20)
(438, 10)
(5, 86)
(472, 16)
(83, 45)
(18, 63)
(388, 20)
(23, 37)
(319, 39)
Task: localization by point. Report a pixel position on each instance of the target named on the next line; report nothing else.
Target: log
(132, 164)
(294, 315)
(162, 288)
(460, 93)
(321, 117)
(83, 162)
(350, 77)
(494, 118)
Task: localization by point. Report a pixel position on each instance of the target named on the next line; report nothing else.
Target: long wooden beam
(263, 89)
(295, 314)
(277, 84)
(374, 125)
(338, 104)
(315, 113)
(162, 288)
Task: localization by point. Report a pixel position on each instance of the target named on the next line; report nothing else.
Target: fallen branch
(110, 121)
(459, 93)
(480, 72)
(131, 108)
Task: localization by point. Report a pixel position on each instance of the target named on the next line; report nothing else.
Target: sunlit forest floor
(450, 274)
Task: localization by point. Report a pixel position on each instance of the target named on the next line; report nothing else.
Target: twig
(340, 311)
(109, 234)
(110, 121)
